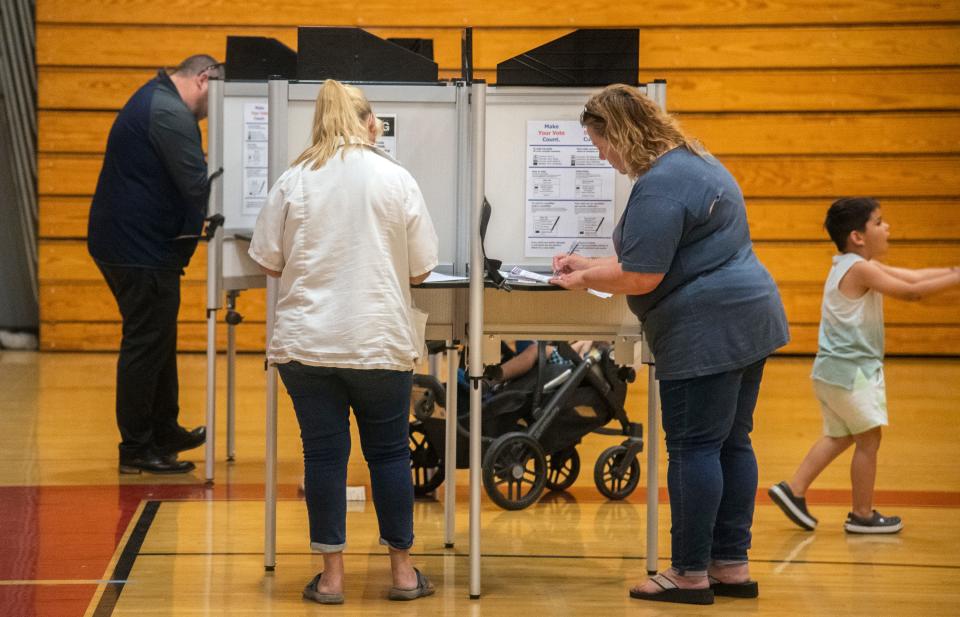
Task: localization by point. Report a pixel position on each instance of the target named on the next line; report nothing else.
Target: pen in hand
(573, 247)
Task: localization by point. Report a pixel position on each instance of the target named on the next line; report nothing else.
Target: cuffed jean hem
(394, 546)
(728, 561)
(327, 548)
(689, 572)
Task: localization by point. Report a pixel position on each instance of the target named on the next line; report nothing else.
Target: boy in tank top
(848, 370)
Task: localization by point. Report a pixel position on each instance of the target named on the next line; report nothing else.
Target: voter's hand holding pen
(567, 269)
(572, 279)
(564, 264)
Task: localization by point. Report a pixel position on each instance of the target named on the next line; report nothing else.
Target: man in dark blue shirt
(152, 191)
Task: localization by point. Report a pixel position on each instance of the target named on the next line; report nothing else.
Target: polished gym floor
(78, 539)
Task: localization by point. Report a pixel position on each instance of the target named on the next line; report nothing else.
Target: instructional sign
(570, 192)
(388, 140)
(254, 157)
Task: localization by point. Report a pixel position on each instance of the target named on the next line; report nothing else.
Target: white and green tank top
(851, 330)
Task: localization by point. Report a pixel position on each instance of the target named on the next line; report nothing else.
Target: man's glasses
(213, 70)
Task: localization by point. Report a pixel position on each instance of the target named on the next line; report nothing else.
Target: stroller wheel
(514, 471)
(426, 467)
(563, 467)
(611, 481)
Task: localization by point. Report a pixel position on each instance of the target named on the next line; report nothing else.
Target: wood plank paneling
(809, 90)
(662, 48)
(73, 174)
(713, 48)
(756, 133)
(79, 132)
(68, 260)
(809, 262)
(773, 176)
(802, 303)
(900, 340)
(687, 90)
(826, 133)
(192, 336)
(495, 13)
(802, 219)
(770, 219)
(63, 217)
(788, 262)
(777, 176)
(91, 301)
(803, 100)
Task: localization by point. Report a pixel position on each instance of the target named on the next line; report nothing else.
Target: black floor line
(595, 557)
(111, 594)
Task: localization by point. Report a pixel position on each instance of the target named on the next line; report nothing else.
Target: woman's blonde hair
(637, 129)
(339, 118)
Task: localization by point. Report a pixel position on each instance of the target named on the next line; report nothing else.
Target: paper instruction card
(569, 191)
(255, 187)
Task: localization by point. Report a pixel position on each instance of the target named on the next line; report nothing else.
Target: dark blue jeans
(322, 398)
(712, 469)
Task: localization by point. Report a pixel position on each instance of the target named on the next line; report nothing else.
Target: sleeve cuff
(264, 262)
(643, 268)
(425, 269)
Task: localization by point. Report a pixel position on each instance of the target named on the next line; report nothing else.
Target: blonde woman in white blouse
(347, 232)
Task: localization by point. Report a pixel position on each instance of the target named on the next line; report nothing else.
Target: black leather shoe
(154, 463)
(183, 440)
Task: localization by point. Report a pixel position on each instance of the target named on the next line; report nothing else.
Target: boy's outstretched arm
(870, 275)
(912, 275)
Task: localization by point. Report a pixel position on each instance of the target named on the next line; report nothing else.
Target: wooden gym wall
(803, 100)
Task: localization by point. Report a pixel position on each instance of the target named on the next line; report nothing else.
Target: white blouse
(346, 238)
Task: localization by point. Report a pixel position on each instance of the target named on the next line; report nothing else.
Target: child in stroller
(531, 424)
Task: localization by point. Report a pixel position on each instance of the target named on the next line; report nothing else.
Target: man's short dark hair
(846, 215)
(195, 65)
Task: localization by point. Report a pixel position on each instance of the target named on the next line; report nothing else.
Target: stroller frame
(528, 438)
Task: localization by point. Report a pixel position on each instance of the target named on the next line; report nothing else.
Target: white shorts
(851, 412)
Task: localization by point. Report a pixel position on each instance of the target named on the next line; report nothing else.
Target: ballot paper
(436, 277)
(525, 276)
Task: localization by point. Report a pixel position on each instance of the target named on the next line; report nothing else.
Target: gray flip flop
(310, 593)
(669, 592)
(424, 588)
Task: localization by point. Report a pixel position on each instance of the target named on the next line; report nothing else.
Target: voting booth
(518, 147)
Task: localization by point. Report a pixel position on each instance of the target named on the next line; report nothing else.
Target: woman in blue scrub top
(711, 314)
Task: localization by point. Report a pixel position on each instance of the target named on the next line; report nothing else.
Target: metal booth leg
(233, 319)
(450, 449)
(653, 489)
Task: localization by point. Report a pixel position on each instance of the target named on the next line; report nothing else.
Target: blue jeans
(712, 470)
(322, 398)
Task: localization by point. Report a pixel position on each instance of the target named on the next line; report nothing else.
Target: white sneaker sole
(794, 513)
(852, 528)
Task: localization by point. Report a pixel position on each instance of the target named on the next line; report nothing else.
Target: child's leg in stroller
(381, 402)
(320, 401)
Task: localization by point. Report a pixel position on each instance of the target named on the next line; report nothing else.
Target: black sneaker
(794, 507)
(877, 523)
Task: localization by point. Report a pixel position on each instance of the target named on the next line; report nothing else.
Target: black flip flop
(672, 593)
(747, 589)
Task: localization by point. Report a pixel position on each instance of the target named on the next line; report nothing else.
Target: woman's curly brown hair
(635, 126)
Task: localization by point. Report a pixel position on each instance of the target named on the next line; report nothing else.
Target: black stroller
(531, 427)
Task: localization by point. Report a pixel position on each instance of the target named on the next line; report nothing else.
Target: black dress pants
(147, 386)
